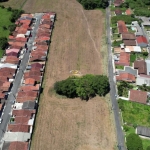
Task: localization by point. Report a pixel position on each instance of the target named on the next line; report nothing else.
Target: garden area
(119, 67)
(116, 37)
(135, 114)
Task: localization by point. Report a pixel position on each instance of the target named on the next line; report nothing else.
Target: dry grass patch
(14, 3)
(66, 124)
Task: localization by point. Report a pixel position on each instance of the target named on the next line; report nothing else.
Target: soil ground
(77, 44)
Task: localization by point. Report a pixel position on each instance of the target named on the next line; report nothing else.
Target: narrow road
(16, 84)
(113, 91)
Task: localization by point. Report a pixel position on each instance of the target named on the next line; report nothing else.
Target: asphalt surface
(113, 90)
(19, 76)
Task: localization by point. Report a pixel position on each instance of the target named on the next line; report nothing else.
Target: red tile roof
(30, 81)
(118, 2)
(18, 128)
(118, 12)
(18, 146)
(141, 66)
(37, 78)
(12, 54)
(128, 36)
(128, 11)
(30, 88)
(125, 77)
(12, 60)
(122, 27)
(36, 65)
(27, 94)
(124, 59)
(21, 39)
(129, 42)
(22, 120)
(138, 96)
(141, 39)
(2, 95)
(23, 112)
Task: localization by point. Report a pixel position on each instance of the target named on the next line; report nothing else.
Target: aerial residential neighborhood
(74, 75)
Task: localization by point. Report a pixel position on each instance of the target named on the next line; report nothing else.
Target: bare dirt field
(72, 124)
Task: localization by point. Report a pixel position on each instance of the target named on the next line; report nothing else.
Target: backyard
(135, 114)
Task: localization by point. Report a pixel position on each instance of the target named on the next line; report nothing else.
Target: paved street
(18, 78)
(115, 108)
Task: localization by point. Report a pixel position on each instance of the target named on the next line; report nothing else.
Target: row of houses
(138, 73)
(20, 127)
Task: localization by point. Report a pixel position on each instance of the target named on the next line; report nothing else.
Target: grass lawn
(132, 57)
(4, 21)
(119, 67)
(135, 114)
(114, 29)
(116, 36)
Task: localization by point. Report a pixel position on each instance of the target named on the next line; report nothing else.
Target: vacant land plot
(66, 124)
(135, 114)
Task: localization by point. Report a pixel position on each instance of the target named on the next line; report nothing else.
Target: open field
(66, 124)
(14, 3)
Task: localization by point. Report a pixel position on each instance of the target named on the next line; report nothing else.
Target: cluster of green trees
(123, 87)
(84, 87)
(92, 4)
(117, 43)
(134, 142)
(3, 42)
(15, 14)
(126, 18)
(140, 7)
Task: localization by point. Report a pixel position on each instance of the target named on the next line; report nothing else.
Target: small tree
(134, 142)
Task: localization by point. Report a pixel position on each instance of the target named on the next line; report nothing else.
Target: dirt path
(66, 124)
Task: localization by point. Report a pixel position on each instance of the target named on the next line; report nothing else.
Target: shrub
(134, 142)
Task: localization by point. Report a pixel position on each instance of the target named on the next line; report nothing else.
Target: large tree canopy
(92, 4)
(134, 142)
(84, 87)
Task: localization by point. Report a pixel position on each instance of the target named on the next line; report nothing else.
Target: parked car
(1, 120)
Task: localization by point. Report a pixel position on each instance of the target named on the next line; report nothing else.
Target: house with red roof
(142, 41)
(138, 96)
(122, 27)
(16, 145)
(124, 59)
(125, 77)
(128, 11)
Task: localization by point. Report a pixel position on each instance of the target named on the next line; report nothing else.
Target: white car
(1, 120)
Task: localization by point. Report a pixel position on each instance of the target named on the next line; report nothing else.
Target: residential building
(138, 96)
(122, 27)
(143, 131)
(142, 41)
(140, 65)
(125, 77)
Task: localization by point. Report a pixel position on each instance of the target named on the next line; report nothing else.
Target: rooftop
(129, 42)
(122, 27)
(128, 36)
(141, 39)
(30, 81)
(141, 66)
(23, 112)
(18, 128)
(125, 77)
(18, 146)
(138, 96)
